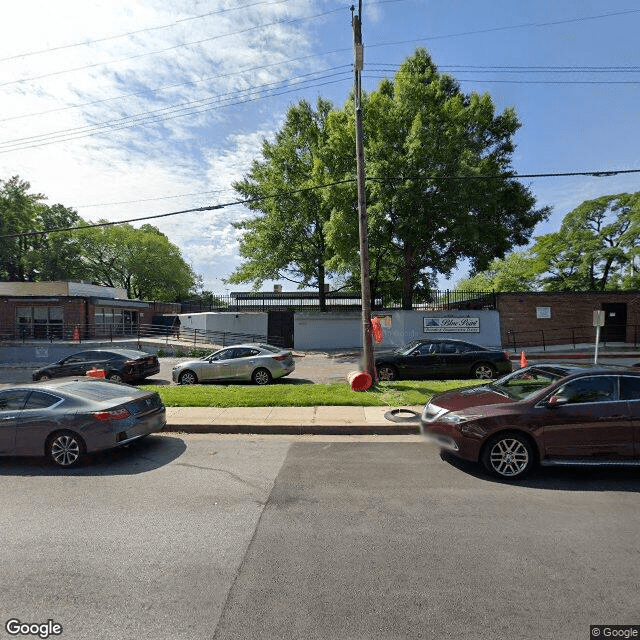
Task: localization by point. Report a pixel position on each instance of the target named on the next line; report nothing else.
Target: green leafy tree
(596, 248)
(33, 256)
(440, 184)
(286, 239)
(142, 261)
(518, 271)
(19, 213)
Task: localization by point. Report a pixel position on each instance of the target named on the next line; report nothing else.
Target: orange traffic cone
(76, 334)
(523, 360)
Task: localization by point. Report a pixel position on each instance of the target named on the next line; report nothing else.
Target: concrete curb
(315, 429)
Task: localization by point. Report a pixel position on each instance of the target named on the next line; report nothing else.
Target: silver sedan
(260, 363)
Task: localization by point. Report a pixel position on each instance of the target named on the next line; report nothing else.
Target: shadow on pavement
(560, 478)
(142, 456)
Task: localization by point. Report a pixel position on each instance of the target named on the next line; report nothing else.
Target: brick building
(567, 318)
(61, 310)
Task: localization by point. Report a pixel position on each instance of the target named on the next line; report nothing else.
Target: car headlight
(456, 418)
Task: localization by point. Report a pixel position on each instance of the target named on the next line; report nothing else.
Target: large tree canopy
(597, 248)
(34, 257)
(142, 261)
(439, 188)
(287, 238)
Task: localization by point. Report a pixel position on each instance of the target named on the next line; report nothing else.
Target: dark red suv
(552, 414)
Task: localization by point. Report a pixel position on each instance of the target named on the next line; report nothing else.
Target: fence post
(544, 346)
(195, 337)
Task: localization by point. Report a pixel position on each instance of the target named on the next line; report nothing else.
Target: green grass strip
(403, 393)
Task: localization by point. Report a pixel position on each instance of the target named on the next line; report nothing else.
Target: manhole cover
(402, 415)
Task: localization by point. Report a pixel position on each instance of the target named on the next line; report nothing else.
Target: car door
(219, 366)
(75, 365)
(455, 359)
(244, 363)
(585, 418)
(11, 403)
(422, 362)
(630, 391)
(36, 421)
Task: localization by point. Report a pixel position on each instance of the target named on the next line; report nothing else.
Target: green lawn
(286, 394)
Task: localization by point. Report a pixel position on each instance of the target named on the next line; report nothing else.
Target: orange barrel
(359, 380)
(95, 373)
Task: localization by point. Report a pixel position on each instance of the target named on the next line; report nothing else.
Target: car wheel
(261, 376)
(387, 373)
(508, 456)
(116, 377)
(65, 449)
(45, 376)
(188, 377)
(483, 371)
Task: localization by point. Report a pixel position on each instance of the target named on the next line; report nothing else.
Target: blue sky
(139, 108)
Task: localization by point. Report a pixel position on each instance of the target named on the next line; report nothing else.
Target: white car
(260, 363)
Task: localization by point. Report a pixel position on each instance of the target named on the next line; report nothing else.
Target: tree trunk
(322, 295)
(407, 278)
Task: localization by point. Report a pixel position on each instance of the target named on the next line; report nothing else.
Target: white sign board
(451, 325)
(543, 312)
(598, 318)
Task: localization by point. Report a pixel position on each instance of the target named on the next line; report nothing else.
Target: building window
(39, 322)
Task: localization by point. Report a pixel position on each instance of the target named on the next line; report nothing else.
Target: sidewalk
(295, 420)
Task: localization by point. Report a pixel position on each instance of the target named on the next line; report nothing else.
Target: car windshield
(525, 382)
(404, 349)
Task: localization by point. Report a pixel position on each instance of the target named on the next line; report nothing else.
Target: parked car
(119, 365)
(260, 363)
(432, 358)
(68, 419)
(552, 414)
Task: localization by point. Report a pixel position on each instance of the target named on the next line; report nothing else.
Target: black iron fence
(582, 334)
(432, 300)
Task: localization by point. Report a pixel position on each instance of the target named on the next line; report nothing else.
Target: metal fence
(582, 334)
(432, 300)
(166, 335)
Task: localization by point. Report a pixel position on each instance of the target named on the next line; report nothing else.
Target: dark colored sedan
(119, 365)
(442, 359)
(67, 419)
(551, 414)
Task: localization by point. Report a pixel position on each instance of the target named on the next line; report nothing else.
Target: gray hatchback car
(258, 362)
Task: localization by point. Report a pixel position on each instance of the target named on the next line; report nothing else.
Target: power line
(284, 194)
(133, 33)
(156, 117)
(166, 49)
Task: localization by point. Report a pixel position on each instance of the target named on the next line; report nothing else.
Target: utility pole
(365, 287)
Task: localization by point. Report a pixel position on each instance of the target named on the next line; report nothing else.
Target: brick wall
(571, 317)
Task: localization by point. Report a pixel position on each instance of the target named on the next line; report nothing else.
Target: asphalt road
(202, 536)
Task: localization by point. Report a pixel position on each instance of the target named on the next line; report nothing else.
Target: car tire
(188, 377)
(65, 449)
(483, 371)
(387, 373)
(44, 376)
(261, 376)
(115, 377)
(509, 455)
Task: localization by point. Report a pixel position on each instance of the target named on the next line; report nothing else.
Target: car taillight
(507, 356)
(279, 358)
(116, 414)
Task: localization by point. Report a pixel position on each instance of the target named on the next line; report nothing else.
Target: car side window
(629, 388)
(428, 348)
(449, 348)
(246, 353)
(41, 400)
(595, 389)
(78, 357)
(12, 400)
